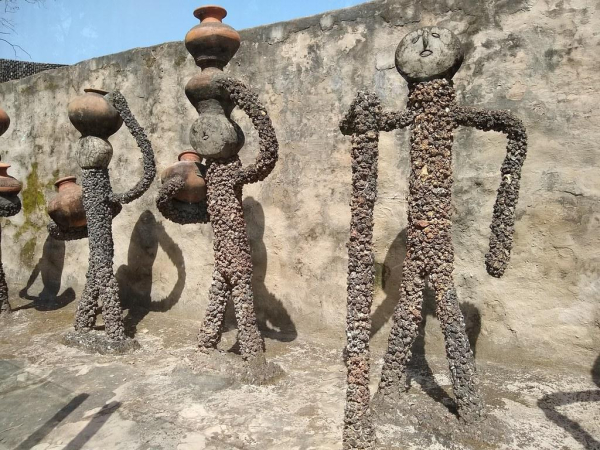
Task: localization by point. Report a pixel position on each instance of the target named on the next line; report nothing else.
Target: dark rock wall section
(532, 58)
(14, 70)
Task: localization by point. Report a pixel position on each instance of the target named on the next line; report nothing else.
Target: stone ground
(56, 397)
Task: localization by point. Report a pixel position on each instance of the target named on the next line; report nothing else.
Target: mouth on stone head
(426, 53)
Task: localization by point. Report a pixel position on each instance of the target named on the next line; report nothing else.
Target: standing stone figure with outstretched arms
(427, 58)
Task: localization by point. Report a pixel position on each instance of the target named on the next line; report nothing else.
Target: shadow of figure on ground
(96, 422)
(50, 267)
(135, 279)
(550, 402)
(418, 368)
(273, 319)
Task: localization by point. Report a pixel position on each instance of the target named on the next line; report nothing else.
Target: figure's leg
(249, 337)
(4, 304)
(87, 309)
(458, 350)
(405, 328)
(111, 306)
(212, 328)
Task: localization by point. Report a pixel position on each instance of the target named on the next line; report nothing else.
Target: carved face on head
(428, 53)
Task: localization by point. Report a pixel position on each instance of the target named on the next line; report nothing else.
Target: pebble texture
(362, 122)
(14, 70)
(9, 206)
(430, 253)
(101, 205)
(232, 275)
(176, 211)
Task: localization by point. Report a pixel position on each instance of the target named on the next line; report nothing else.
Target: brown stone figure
(9, 206)
(218, 139)
(427, 58)
(97, 115)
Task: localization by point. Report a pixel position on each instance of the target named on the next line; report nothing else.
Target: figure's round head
(427, 54)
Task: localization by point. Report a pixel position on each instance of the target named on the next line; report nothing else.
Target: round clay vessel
(212, 43)
(4, 121)
(8, 185)
(213, 135)
(92, 115)
(190, 169)
(66, 209)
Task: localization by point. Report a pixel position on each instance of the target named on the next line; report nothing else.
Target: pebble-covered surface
(362, 123)
(432, 115)
(101, 205)
(10, 204)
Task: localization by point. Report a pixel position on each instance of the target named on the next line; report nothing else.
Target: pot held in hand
(190, 169)
(8, 185)
(66, 209)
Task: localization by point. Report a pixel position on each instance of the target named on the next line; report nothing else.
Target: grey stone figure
(10, 205)
(218, 139)
(98, 115)
(427, 58)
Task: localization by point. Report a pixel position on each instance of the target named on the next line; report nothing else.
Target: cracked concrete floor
(56, 397)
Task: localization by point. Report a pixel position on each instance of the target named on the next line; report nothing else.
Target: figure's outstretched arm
(503, 220)
(117, 100)
(394, 120)
(10, 205)
(177, 211)
(363, 115)
(71, 234)
(248, 102)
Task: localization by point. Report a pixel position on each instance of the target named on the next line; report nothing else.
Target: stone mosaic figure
(9, 206)
(97, 115)
(427, 58)
(218, 139)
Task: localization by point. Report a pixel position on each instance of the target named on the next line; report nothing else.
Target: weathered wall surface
(537, 58)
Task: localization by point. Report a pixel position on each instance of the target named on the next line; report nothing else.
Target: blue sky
(68, 31)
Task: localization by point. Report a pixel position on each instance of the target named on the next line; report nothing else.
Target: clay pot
(66, 209)
(190, 169)
(212, 43)
(92, 115)
(4, 121)
(8, 185)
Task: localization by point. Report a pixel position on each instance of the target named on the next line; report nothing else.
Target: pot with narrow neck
(66, 208)
(189, 168)
(8, 185)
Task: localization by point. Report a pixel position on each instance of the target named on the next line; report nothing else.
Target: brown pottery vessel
(4, 121)
(92, 115)
(212, 43)
(8, 185)
(66, 209)
(190, 169)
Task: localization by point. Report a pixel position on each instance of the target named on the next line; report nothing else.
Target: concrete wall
(537, 58)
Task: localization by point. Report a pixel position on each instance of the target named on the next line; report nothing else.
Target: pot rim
(203, 12)
(190, 152)
(4, 165)
(95, 91)
(62, 180)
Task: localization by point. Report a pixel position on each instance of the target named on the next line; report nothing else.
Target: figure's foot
(474, 413)
(93, 341)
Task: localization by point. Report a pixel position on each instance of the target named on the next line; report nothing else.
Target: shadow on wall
(135, 278)
(550, 402)
(418, 368)
(273, 319)
(50, 267)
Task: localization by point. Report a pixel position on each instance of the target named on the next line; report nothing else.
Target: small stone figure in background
(9, 206)
(218, 140)
(427, 58)
(97, 115)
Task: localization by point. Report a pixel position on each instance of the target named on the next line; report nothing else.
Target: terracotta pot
(66, 209)
(4, 121)
(92, 115)
(190, 169)
(8, 185)
(212, 43)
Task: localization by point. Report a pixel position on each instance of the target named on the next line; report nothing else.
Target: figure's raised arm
(363, 115)
(117, 100)
(177, 211)
(248, 102)
(394, 120)
(503, 220)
